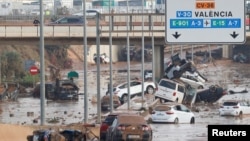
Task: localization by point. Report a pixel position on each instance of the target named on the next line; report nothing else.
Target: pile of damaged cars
(52, 135)
(183, 83)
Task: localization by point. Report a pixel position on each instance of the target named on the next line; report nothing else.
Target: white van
(169, 90)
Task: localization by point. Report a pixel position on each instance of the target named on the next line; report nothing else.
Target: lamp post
(128, 57)
(111, 60)
(85, 47)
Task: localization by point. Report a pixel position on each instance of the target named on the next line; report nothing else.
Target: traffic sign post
(34, 70)
(205, 21)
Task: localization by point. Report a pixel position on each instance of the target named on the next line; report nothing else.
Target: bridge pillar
(227, 51)
(159, 62)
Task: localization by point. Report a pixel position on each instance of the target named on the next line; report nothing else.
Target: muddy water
(73, 111)
(26, 110)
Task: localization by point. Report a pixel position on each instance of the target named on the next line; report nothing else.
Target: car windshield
(230, 103)
(168, 84)
(69, 20)
(162, 108)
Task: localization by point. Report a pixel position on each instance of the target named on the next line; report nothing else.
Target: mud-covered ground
(13, 115)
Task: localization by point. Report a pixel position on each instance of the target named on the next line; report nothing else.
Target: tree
(11, 66)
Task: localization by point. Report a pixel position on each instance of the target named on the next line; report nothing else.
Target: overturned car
(208, 95)
(179, 66)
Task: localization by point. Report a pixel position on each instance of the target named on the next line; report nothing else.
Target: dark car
(147, 53)
(73, 135)
(105, 125)
(70, 20)
(40, 135)
(59, 90)
(211, 94)
(129, 127)
(49, 135)
(124, 51)
(241, 53)
(215, 53)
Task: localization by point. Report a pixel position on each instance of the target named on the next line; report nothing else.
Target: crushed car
(73, 135)
(211, 94)
(241, 53)
(215, 54)
(147, 53)
(194, 80)
(136, 53)
(178, 66)
(9, 91)
(124, 51)
(104, 59)
(240, 57)
(45, 135)
(59, 90)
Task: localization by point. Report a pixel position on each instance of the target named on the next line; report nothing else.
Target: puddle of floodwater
(66, 112)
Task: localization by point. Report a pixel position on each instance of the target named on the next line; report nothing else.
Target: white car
(121, 90)
(234, 108)
(171, 112)
(170, 90)
(193, 79)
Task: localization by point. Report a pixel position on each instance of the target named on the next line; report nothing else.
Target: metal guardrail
(122, 25)
(76, 31)
(24, 31)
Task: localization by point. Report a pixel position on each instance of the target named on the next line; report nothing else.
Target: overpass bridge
(122, 26)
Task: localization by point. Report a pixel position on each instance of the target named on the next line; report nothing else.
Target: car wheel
(200, 87)
(192, 121)
(176, 121)
(150, 90)
(240, 114)
(124, 98)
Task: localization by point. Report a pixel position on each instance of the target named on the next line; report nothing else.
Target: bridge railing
(122, 25)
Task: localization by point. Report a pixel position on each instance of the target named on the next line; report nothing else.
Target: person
(36, 22)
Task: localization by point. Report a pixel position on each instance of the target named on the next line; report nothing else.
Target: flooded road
(197, 131)
(65, 112)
